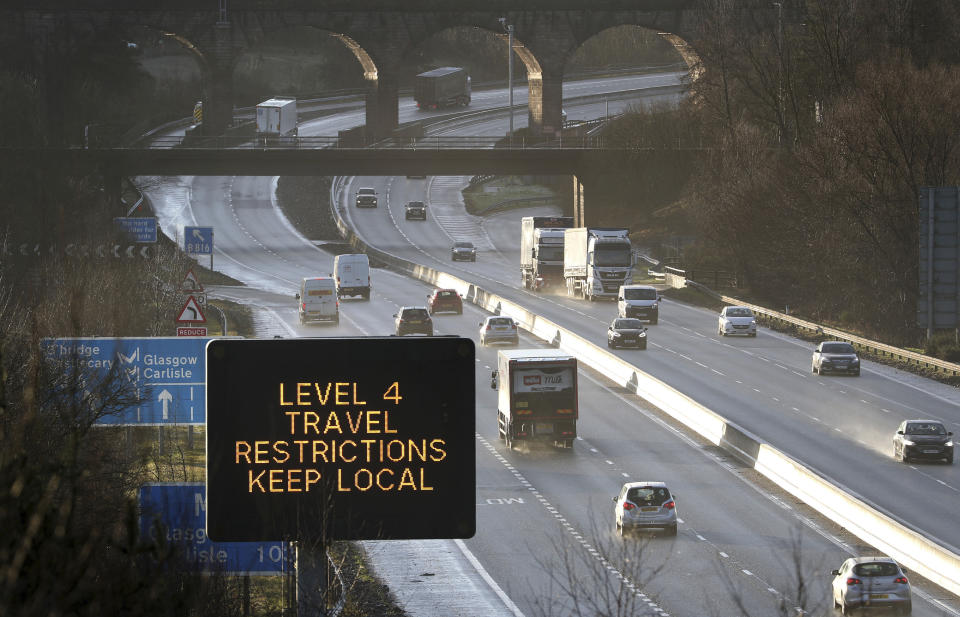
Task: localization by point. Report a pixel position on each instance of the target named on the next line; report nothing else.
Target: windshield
(739, 312)
(628, 324)
(500, 321)
(640, 294)
(550, 253)
(608, 256)
(463, 245)
(925, 428)
(837, 348)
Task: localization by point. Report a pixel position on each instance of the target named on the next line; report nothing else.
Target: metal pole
(510, 77)
(931, 204)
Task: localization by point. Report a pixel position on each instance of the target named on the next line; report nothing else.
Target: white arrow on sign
(165, 397)
(197, 234)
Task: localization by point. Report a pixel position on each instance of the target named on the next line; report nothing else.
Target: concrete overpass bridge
(588, 161)
(381, 34)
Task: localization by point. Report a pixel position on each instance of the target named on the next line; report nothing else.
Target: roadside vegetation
(804, 149)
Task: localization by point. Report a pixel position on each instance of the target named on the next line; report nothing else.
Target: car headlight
(617, 335)
(949, 444)
(907, 442)
(654, 305)
(643, 335)
(753, 322)
(855, 361)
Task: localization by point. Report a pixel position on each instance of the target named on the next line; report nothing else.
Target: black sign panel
(341, 438)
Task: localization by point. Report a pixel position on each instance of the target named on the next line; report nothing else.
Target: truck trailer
(541, 250)
(277, 117)
(537, 396)
(443, 87)
(596, 261)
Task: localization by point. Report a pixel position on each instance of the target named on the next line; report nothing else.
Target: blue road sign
(198, 240)
(181, 509)
(167, 375)
(140, 229)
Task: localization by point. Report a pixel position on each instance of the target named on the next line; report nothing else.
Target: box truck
(277, 117)
(537, 396)
(443, 87)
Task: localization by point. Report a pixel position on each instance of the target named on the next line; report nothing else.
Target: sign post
(178, 510)
(164, 374)
(198, 241)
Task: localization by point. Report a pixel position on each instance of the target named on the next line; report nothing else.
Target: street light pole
(781, 120)
(510, 77)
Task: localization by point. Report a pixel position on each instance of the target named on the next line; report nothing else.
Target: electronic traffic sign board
(178, 512)
(341, 438)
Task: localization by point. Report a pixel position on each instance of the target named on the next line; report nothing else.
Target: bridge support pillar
(383, 104)
(546, 103)
(218, 82)
(578, 195)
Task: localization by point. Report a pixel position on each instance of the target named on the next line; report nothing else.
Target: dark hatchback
(416, 210)
(927, 439)
(413, 320)
(625, 332)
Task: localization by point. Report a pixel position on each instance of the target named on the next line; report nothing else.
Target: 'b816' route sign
(341, 438)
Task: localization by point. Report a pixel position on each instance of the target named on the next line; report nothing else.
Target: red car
(445, 300)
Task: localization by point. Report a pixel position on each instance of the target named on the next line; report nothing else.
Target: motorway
(544, 517)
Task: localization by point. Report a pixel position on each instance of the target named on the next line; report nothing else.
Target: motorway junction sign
(178, 512)
(164, 374)
(341, 438)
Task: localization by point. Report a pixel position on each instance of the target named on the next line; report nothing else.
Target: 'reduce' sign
(341, 438)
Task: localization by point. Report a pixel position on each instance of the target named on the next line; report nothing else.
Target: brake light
(488, 326)
(901, 579)
(670, 505)
(338, 280)
(304, 306)
(628, 506)
(564, 411)
(853, 581)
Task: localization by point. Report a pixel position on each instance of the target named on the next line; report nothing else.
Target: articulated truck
(596, 261)
(541, 250)
(537, 396)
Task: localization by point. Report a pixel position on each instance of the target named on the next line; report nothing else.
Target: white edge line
(488, 579)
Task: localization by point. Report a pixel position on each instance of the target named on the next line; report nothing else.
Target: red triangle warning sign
(191, 312)
(191, 284)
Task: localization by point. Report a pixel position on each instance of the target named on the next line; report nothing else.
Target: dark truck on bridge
(442, 87)
(537, 396)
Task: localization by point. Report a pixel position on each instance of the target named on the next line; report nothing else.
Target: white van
(352, 272)
(640, 301)
(318, 300)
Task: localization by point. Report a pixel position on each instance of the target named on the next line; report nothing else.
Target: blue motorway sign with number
(198, 240)
(179, 511)
(166, 376)
(140, 229)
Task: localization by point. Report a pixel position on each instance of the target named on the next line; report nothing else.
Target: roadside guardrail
(938, 563)
(676, 278)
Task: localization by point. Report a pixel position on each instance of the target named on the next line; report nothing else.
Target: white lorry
(277, 117)
(352, 273)
(537, 396)
(596, 261)
(541, 250)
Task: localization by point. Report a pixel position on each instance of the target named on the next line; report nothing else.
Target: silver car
(737, 320)
(871, 582)
(499, 329)
(835, 357)
(642, 505)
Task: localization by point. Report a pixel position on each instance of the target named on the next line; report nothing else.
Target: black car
(627, 332)
(923, 439)
(835, 357)
(413, 320)
(416, 210)
(463, 251)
